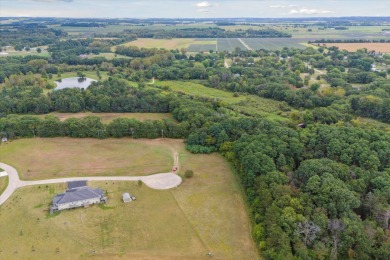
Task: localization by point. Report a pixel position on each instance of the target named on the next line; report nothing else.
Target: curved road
(159, 181)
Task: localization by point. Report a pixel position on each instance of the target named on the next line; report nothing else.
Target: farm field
(352, 47)
(274, 43)
(37, 158)
(108, 117)
(168, 44)
(183, 223)
(246, 104)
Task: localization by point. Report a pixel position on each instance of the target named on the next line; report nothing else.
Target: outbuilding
(4, 139)
(126, 197)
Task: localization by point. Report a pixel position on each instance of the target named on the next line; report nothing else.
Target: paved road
(159, 181)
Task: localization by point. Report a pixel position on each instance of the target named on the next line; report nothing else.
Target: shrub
(189, 174)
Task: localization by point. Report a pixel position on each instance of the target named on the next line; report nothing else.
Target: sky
(193, 9)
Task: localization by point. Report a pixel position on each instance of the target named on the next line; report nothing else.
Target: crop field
(274, 43)
(37, 158)
(352, 47)
(204, 214)
(201, 47)
(108, 117)
(245, 104)
(229, 44)
(169, 44)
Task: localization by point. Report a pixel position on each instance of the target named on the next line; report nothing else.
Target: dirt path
(245, 45)
(159, 181)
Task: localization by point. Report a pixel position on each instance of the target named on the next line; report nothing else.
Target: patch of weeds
(105, 207)
(38, 206)
(55, 214)
(51, 190)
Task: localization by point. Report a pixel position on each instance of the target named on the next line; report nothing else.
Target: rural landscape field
(192, 135)
(191, 216)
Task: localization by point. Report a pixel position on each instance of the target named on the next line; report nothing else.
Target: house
(77, 195)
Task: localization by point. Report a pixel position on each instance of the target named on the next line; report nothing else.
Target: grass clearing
(244, 103)
(108, 117)
(42, 158)
(169, 44)
(205, 214)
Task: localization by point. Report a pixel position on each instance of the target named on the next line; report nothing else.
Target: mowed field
(204, 214)
(108, 117)
(3, 183)
(352, 47)
(37, 159)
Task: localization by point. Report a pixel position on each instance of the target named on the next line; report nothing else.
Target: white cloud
(309, 11)
(203, 4)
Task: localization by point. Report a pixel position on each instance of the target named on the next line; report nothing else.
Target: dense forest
(317, 182)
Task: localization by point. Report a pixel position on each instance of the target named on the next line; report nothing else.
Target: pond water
(74, 83)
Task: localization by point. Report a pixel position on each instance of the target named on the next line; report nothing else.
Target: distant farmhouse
(77, 195)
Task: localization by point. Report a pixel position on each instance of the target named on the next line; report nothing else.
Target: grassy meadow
(41, 158)
(246, 104)
(108, 117)
(205, 214)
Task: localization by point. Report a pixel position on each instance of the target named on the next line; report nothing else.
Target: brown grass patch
(353, 47)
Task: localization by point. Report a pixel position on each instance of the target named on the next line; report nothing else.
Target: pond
(75, 82)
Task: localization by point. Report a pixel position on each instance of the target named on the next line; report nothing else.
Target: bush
(189, 174)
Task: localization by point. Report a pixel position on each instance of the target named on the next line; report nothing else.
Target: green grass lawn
(42, 158)
(3, 183)
(205, 214)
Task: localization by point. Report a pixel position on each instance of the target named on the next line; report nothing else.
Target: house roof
(74, 195)
(126, 196)
(76, 184)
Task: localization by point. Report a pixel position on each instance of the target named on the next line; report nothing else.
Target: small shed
(4, 139)
(126, 197)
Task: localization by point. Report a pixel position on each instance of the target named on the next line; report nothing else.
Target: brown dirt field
(352, 47)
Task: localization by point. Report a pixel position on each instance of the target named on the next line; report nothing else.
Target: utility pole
(162, 133)
(132, 132)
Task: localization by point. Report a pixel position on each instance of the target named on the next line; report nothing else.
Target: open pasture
(204, 214)
(37, 159)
